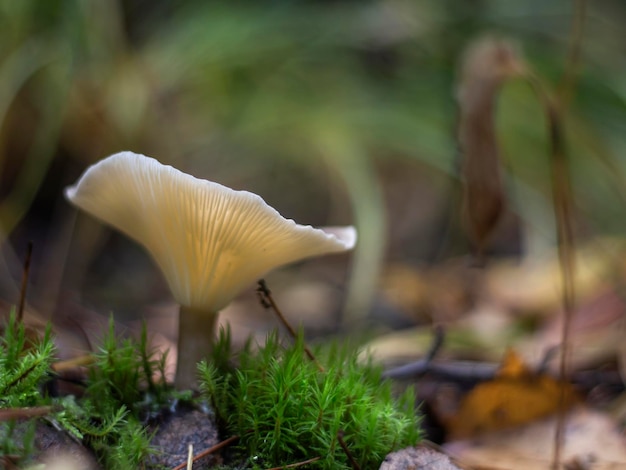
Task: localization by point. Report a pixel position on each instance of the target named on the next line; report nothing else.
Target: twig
(562, 202)
(267, 301)
(20, 309)
(209, 451)
(471, 372)
(419, 367)
(68, 364)
(190, 457)
(562, 211)
(461, 371)
(24, 413)
(342, 443)
(568, 80)
(297, 464)
(550, 354)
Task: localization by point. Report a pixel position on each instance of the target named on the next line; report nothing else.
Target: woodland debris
(418, 457)
(487, 63)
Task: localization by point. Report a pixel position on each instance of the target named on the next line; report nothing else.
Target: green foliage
(24, 366)
(286, 410)
(124, 371)
(121, 393)
(281, 405)
(117, 437)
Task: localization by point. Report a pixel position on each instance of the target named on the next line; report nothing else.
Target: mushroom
(210, 241)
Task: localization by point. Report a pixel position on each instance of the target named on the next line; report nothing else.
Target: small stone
(415, 458)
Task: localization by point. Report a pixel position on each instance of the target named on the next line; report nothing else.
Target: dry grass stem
(25, 413)
(29, 253)
(265, 296)
(297, 464)
(209, 451)
(343, 445)
(562, 205)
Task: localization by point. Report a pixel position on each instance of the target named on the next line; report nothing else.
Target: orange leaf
(515, 396)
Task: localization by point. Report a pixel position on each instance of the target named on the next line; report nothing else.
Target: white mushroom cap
(209, 240)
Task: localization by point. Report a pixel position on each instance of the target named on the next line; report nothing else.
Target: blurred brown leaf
(596, 335)
(592, 440)
(486, 64)
(516, 396)
(429, 294)
(534, 285)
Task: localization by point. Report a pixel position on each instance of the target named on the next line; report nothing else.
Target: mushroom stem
(196, 338)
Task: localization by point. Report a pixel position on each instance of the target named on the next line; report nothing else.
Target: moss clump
(286, 410)
(120, 395)
(109, 418)
(24, 367)
(281, 405)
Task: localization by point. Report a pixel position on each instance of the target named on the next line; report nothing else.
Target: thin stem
(562, 207)
(190, 457)
(29, 253)
(562, 202)
(267, 301)
(7, 414)
(196, 338)
(74, 363)
(209, 451)
(572, 64)
(416, 368)
(355, 465)
(297, 464)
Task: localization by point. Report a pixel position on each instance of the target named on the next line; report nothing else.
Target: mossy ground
(281, 405)
(110, 415)
(286, 410)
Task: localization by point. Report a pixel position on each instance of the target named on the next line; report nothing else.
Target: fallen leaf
(486, 64)
(591, 439)
(437, 293)
(516, 396)
(535, 285)
(596, 333)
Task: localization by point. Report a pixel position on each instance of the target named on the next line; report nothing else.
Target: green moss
(281, 405)
(24, 367)
(286, 410)
(120, 394)
(127, 373)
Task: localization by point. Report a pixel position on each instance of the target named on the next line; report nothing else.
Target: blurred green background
(335, 112)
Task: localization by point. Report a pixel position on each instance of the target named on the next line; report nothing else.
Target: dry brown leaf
(535, 285)
(516, 396)
(437, 293)
(591, 439)
(406, 288)
(596, 333)
(487, 63)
